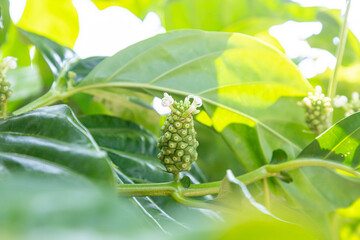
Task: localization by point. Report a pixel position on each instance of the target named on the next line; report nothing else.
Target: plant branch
(340, 53)
(47, 99)
(168, 189)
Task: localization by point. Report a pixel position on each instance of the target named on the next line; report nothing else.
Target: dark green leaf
(185, 182)
(278, 156)
(51, 139)
(55, 55)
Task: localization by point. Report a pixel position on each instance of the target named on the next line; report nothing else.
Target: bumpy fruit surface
(318, 110)
(5, 91)
(178, 142)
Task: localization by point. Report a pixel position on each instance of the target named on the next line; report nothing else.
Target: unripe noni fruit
(178, 142)
(318, 109)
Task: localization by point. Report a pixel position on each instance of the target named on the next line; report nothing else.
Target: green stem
(196, 203)
(48, 98)
(3, 109)
(167, 189)
(176, 177)
(340, 54)
(148, 189)
(266, 193)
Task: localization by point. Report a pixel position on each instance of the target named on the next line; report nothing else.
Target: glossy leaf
(340, 143)
(57, 20)
(55, 55)
(51, 139)
(210, 64)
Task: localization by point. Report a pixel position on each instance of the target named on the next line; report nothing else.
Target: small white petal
(307, 101)
(10, 62)
(355, 96)
(318, 90)
(197, 101)
(167, 100)
(340, 101)
(327, 99)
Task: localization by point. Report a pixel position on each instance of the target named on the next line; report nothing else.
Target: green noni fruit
(318, 110)
(178, 142)
(5, 91)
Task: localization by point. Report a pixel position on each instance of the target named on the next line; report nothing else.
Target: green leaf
(51, 139)
(55, 55)
(230, 73)
(84, 66)
(215, 155)
(278, 156)
(340, 143)
(57, 20)
(129, 105)
(217, 15)
(15, 46)
(38, 207)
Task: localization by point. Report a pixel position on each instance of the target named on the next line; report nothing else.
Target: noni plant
(178, 142)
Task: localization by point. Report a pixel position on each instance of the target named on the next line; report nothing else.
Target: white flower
(340, 101)
(197, 100)
(306, 101)
(355, 96)
(9, 62)
(318, 90)
(167, 100)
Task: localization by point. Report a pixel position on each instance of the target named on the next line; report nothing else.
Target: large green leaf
(230, 72)
(218, 15)
(51, 139)
(65, 208)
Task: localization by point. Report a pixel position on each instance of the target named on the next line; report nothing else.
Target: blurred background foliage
(43, 41)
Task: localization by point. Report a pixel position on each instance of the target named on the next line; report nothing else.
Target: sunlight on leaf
(58, 22)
